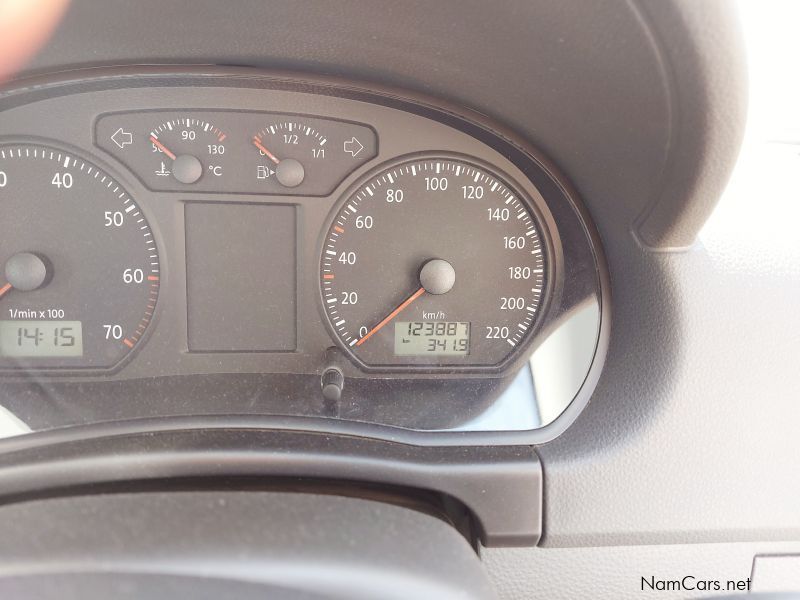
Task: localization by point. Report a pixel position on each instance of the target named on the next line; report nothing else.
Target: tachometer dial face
(80, 269)
(435, 262)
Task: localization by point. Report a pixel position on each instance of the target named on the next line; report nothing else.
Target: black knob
(332, 384)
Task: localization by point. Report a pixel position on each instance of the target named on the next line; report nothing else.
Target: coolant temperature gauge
(187, 149)
(169, 151)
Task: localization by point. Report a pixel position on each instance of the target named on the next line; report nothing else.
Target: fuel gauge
(307, 155)
(284, 147)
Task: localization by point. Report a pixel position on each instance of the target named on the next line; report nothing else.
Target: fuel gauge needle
(391, 315)
(257, 143)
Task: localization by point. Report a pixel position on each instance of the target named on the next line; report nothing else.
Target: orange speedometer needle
(391, 315)
(5, 289)
(162, 147)
(257, 143)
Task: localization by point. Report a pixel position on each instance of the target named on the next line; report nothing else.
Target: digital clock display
(431, 338)
(41, 338)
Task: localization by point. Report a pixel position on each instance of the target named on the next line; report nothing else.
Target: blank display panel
(241, 277)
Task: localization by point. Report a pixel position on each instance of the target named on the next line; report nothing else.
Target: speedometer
(434, 262)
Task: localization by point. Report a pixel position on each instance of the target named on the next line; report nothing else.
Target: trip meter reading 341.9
(434, 262)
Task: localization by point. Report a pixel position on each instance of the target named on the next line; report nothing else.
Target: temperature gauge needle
(162, 147)
(257, 143)
(391, 315)
(5, 289)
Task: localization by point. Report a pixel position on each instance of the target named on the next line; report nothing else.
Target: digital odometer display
(41, 338)
(431, 338)
(434, 242)
(77, 260)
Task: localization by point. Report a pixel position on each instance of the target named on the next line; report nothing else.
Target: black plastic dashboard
(241, 184)
(641, 104)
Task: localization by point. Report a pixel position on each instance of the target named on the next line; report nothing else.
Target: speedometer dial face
(435, 262)
(79, 269)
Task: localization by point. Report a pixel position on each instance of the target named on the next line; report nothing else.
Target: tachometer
(434, 262)
(80, 269)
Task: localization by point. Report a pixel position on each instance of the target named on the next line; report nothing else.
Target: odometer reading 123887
(435, 262)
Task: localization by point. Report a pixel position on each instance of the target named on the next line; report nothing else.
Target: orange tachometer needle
(5, 289)
(391, 315)
(162, 147)
(257, 143)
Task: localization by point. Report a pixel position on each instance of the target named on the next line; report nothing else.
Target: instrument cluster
(200, 227)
